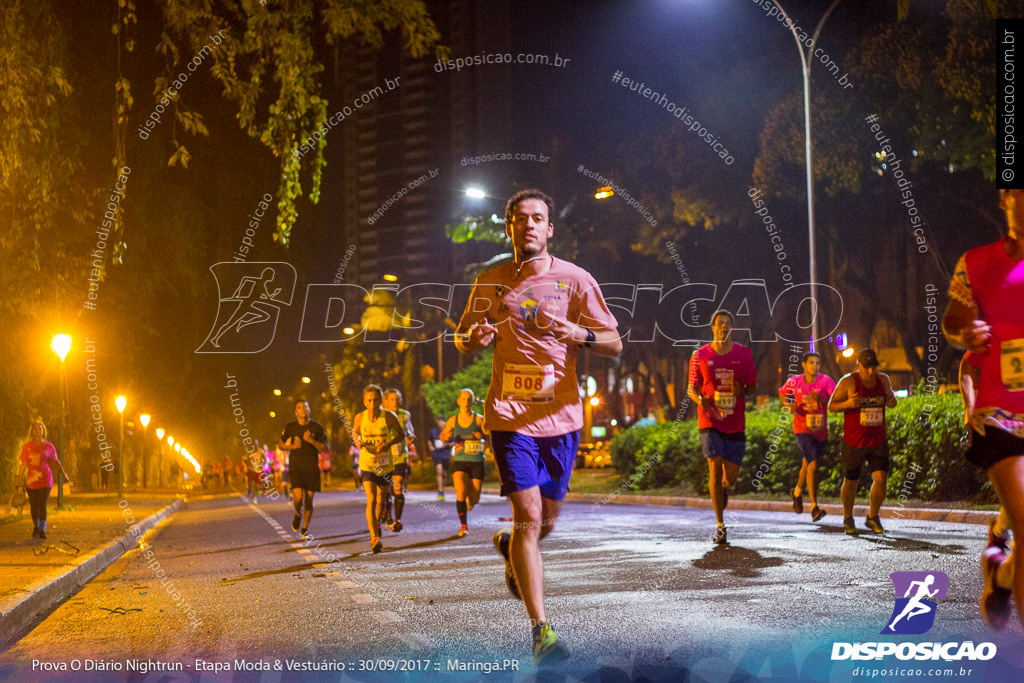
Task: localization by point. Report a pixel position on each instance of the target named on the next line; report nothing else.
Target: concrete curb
(834, 510)
(19, 615)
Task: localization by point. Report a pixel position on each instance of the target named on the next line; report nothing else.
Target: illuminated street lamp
(61, 344)
(588, 414)
(277, 392)
(475, 193)
(144, 419)
(121, 402)
(306, 380)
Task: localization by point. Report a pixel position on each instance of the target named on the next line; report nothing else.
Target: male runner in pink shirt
(538, 311)
(722, 373)
(806, 397)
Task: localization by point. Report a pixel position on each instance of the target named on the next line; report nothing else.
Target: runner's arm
(396, 430)
(963, 329)
(446, 433)
(968, 377)
(841, 400)
(890, 397)
(474, 330)
(357, 434)
(320, 445)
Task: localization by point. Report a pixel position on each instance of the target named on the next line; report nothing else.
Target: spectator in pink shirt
(36, 457)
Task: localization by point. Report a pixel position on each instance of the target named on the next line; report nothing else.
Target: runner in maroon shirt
(863, 395)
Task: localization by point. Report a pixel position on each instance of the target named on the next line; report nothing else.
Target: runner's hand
(482, 333)
(545, 322)
(976, 336)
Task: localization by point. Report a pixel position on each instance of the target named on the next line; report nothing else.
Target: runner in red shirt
(985, 316)
(862, 396)
(722, 373)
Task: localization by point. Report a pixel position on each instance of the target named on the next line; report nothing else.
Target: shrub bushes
(927, 438)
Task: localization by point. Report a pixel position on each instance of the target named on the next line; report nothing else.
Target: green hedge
(926, 438)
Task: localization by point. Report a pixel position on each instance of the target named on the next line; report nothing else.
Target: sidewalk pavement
(83, 539)
(95, 529)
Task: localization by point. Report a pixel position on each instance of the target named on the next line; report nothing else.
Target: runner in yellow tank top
(375, 431)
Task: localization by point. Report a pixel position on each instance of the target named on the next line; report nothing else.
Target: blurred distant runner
(399, 459)
(375, 431)
(441, 456)
(465, 431)
(806, 396)
(303, 439)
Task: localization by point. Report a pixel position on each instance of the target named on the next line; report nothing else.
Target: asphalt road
(635, 591)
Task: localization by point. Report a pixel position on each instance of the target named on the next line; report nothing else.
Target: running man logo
(914, 613)
(247, 319)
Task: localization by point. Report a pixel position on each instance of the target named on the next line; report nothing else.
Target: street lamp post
(805, 63)
(144, 419)
(160, 457)
(61, 345)
(121, 402)
(170, 444)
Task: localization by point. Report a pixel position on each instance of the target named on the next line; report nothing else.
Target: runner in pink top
(722, 373)
(538, 311)
(806, 396)
(985, 316)
(36, 457)
(534, 390)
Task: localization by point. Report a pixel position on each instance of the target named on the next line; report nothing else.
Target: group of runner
(984, 317)
(722, 374)
(538, 311)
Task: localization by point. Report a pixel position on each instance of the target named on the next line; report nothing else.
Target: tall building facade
(403, 177)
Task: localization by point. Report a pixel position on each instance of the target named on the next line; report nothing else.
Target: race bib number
(382, 461)
(873, 416)
(815, 421)
(368, 461)
(725, 401)
(1011, 364)
(473, 447)
(528, 383)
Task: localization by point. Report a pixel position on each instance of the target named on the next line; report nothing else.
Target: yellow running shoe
(547, 648)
